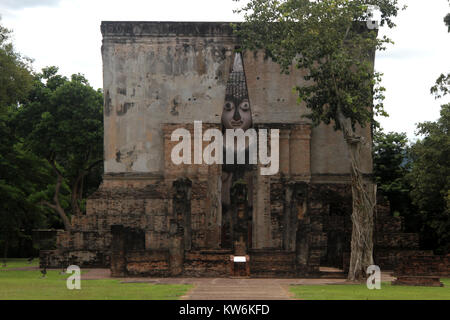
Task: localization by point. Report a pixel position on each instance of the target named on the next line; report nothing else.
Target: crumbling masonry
(152, 217)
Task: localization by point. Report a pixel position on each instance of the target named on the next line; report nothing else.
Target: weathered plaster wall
(158, 73)
(329, 155)
(273, 101)
(176, 72)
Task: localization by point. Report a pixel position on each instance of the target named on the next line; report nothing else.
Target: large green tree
(62, 122)
(22, 176)
(21, 172)
(390, 167)
(15, 72)
(431, 192)
(332, 42)
(430, 180)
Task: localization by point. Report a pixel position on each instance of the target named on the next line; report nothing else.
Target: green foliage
(49, 125)
(331, 43)
(416, 179)
(442, 86)
(22, 174)
(430, 180)
(328, 39)
(390, 162)
(62, 122)
(15, 73)
(391, 166)
(65, 116)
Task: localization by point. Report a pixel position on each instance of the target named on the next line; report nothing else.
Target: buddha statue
(236, 184)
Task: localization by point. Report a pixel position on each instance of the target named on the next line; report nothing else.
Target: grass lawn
(29, 285)
(18, 263)
(360, 292)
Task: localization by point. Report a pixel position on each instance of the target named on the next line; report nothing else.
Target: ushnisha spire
(236, 90)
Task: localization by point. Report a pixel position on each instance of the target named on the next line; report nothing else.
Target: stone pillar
(171, 170)
(261, 212)
(181, 206)
(300, 151)
(176, 249)
(118, 252)
(213, 207)
(284, 151)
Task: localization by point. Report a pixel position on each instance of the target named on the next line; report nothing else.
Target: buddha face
(237, 114)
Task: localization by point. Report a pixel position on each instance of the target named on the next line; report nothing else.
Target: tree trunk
(57, 206)
(77, 188)
(362, 218)
(363, 204)
(76, 194)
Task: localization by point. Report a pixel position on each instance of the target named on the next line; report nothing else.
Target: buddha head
(236, 112)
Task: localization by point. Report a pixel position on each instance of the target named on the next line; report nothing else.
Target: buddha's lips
(236, 123)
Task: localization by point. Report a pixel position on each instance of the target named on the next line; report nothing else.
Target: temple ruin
(155, 218)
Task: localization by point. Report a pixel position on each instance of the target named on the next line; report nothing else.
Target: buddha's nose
(236, 115)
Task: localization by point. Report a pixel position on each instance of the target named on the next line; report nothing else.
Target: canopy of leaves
(22, 177)
(330, 40)
(21, 173)
(63, 121)
(391, 167)
(391, 162)
(46, 121)
(63, 118)
(442, 86)
(430, 180)
(15, 72)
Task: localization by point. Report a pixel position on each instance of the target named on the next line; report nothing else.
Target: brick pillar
(300, 152)
(176, 248)
(284, 151)
(118, 252)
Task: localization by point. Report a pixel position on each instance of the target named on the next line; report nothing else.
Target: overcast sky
(66, 33)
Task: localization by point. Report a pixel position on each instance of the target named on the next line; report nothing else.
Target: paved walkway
(247, 289)
(238, 289)
(229, 288)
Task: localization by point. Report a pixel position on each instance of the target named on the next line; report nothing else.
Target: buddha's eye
(228, 106)
(244, 106)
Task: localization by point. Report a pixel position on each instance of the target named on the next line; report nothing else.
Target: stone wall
(176, 72)
(422, 269)
(424, 264)
(161, 76)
